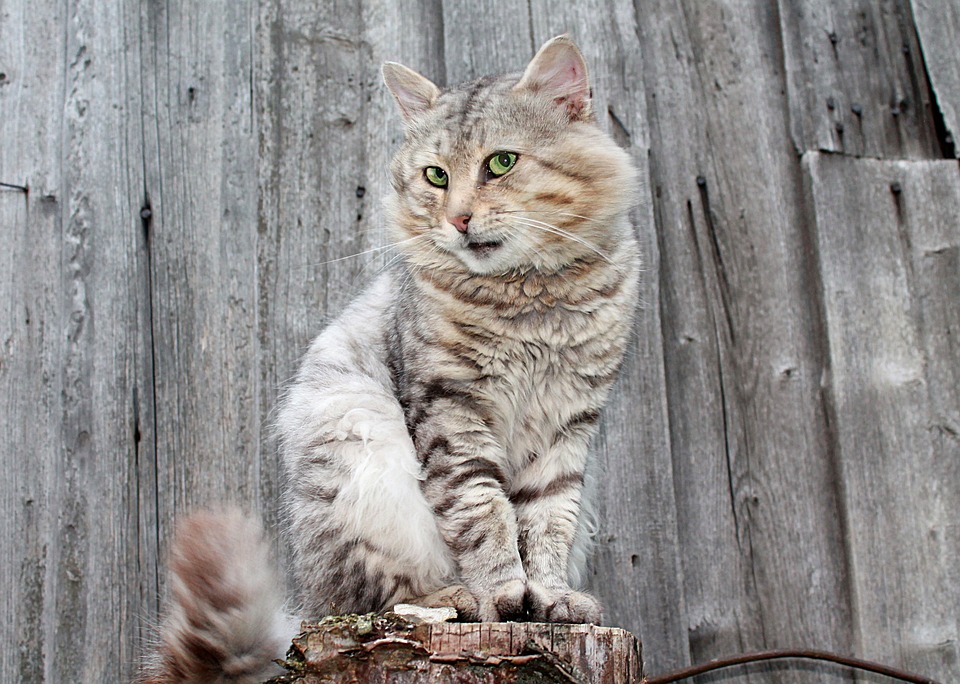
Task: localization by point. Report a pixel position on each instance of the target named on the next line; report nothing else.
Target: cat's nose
(460, 222)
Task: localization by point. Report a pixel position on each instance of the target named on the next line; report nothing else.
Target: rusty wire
(761, 656)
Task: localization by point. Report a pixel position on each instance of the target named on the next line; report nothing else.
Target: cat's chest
(526, 367)
(520, 372)
(533, 385)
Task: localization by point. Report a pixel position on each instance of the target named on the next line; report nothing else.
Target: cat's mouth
(483, 248)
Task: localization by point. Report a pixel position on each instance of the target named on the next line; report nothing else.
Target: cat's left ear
(414, 93)
(559, 70)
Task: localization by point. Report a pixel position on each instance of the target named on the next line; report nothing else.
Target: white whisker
(567, 213)
(372, 250)
(550, 228)
(549, 212)
(523, 243)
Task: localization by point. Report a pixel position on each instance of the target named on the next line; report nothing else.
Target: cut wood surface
(191, 190)
(371, 648)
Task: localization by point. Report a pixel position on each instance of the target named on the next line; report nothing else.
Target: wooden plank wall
(186, 186)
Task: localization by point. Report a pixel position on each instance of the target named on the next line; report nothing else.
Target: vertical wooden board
(856, 80)
(73, 350)
(478, 42)
(763, 561)
(30, 333)
(887, 235)
(935, 254)
(312, 98)
(938, 25)
(638, 546)
(719, 616)
(200, 151)
(486, 37)
(411, 34)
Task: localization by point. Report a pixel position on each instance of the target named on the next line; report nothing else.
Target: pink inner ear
(569, 85)
(559, 70)
(565, 78)
(410, 101)
(414, 93)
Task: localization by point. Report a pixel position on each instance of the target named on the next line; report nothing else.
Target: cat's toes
(566, 605)
(505, 604)
(456, 596)
(575, 606)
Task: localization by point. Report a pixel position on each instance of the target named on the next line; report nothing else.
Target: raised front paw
(506, 603)
(562, 605)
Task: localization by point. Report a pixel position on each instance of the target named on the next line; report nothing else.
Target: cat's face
(506, 174)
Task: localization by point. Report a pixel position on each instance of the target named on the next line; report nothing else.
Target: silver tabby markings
(436, 437)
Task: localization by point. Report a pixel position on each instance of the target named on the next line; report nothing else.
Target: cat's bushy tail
(225, 621)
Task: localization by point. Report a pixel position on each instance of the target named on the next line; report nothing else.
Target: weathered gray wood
(750, 460)
(200, 135)
(477, 40)
(75, 363)
(938, 25)
(888, 238)
(30, 326)
(855, 79)
(141, 357)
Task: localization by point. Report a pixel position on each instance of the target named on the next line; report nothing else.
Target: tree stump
(388, 648)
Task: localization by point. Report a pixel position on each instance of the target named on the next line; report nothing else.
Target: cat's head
(507, 174)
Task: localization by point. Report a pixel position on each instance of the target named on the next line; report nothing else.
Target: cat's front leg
(465, 484)
(547, 499)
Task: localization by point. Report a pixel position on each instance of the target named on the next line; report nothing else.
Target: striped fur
(225, 622)
(445, 418)
(435, 439)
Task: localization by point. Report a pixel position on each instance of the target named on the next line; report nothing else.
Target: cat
(436, 438)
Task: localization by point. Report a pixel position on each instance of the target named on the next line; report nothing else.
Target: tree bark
(381, 648)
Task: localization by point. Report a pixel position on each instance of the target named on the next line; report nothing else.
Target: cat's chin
(486, 258)
(482, 250)
(499, 262)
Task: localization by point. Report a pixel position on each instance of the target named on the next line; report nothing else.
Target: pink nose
(460, 222)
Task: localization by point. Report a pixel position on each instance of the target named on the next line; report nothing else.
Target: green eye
(436, 176)
(501, 162)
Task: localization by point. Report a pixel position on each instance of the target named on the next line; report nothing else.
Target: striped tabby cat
(436, 437)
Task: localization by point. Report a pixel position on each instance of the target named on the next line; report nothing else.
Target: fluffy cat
(435, 440)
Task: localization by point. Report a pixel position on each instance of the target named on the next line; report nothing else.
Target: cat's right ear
(559, 70)
(414, 93)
